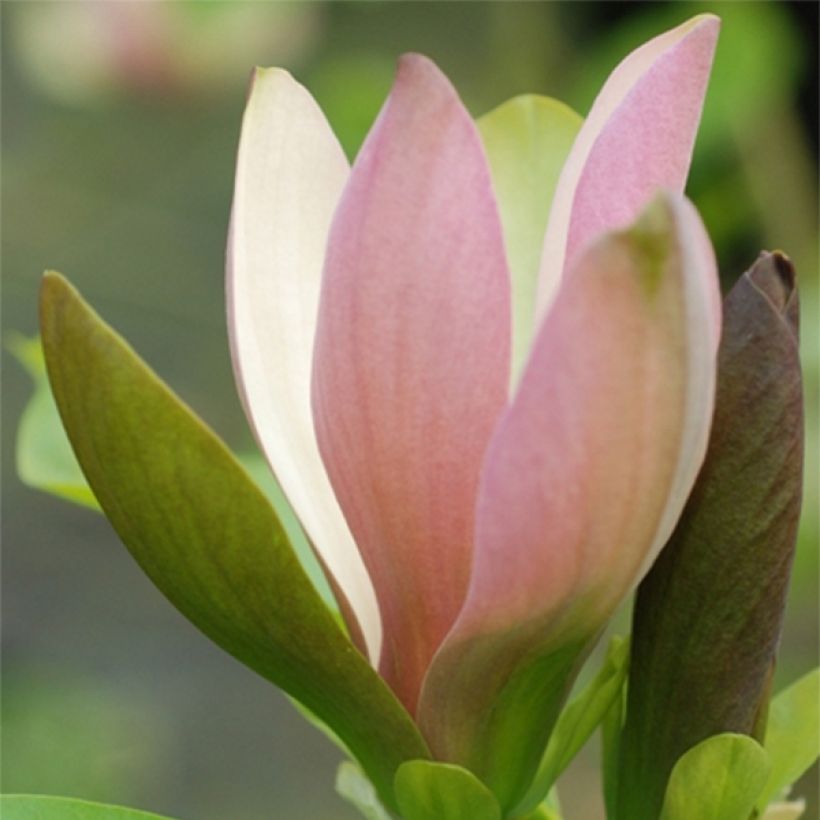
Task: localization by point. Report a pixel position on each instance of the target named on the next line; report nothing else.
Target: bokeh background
(120, 124)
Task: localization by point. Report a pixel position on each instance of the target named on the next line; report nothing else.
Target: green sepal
(207, 536)
(441, 791)
(527, 140)
(793, 735)
(708, 616)
(719, 779)
(578, 721)
(46, 807)
(356, 789)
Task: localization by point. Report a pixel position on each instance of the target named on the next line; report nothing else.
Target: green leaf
(550, 809)
(719, 779)
(356, 789)
(207, 536)
(45, 461)
(41, 807)
(44, 457)
(793, 734)
(527, 140)
(708, 616)
(611, 729)
(260, 472)
(578, 721)
(442, 791)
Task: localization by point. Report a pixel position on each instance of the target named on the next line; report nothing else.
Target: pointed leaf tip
(206, 535)
(774, 275)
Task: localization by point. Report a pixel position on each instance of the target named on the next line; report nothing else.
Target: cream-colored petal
(289, 176)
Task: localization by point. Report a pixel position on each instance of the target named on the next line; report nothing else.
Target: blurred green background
(120, 124)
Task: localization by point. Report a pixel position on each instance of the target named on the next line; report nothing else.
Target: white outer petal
(289, 177)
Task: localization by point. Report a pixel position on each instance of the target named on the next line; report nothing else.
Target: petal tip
(263, 75)
(417, 71)
(412, 62)
(703, 26)
(708, 19)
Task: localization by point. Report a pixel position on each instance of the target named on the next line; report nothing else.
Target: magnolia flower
(479, 517)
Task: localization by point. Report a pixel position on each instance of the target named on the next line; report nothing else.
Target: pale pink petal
(638, 137)
(289, 176)
(584, 477)
(412, 359)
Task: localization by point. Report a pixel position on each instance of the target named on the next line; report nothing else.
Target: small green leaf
(719, 779)
(442, 791)
(578, 721)
(527, 140)
(207, 536)
(356, 789)
(44, 457)
(41, 807)
(793, 734)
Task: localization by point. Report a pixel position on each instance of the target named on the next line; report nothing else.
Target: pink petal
(584, 478)
(412, 359)
(289, 176)
(637, 138)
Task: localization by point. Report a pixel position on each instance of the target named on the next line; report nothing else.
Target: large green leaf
(708, 616)
(578, 721)
(441, 791)
(792, 735)
(260, 472)
(37, 807)
(719, 779)
(45, 461)
(527, 140)
(207, 536)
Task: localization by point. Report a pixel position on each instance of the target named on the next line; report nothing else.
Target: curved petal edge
(412, 358)
(586, 472)
(289, 175)
(638, 137)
